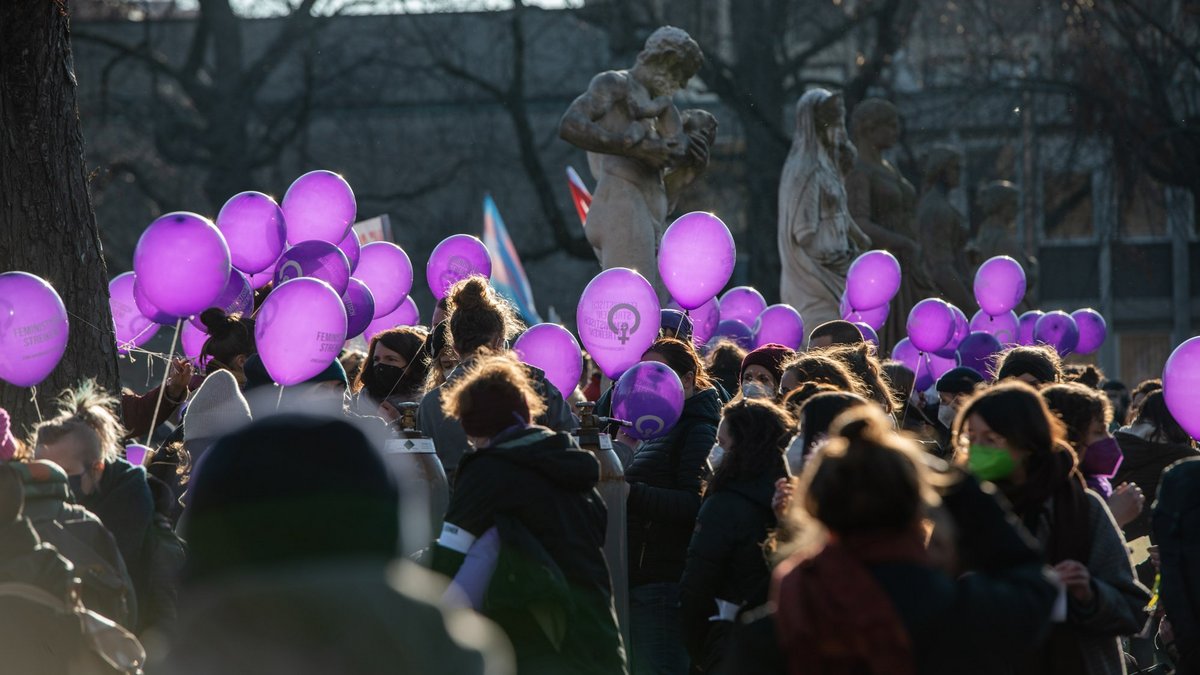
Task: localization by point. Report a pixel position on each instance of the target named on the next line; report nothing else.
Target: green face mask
(989, 463)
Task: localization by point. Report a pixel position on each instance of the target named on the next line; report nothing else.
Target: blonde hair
(90, 414)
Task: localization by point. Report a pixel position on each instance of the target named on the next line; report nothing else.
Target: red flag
(579, 194)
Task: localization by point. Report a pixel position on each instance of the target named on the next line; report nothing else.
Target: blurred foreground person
(1177, 531)
(868, 596)
(524, 533)
(291, 565)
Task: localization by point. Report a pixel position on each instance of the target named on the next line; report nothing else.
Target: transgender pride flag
(508, 277)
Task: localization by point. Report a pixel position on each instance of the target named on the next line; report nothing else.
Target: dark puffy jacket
(725, 561)
(665, 479)
(124, 504)
(1177, 531)
(1143, 465)
(448, 436)
(551, 591)
(78, 535)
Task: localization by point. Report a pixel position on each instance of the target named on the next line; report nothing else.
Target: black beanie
(960, 380)
(289, 489)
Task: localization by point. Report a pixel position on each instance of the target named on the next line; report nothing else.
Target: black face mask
(385, 380)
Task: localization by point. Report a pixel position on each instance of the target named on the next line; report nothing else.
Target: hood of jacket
(758, 489)
(1140, 453)
(552, 454)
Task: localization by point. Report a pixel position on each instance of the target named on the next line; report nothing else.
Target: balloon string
(279, 400)
(162, 388)
(36, 407)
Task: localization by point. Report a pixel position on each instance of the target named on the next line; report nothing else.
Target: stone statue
(818, 239)
(942, 231)
(641, 149)
(883, 203)
(998, 204)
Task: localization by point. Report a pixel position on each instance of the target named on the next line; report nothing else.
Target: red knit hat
(770, 356)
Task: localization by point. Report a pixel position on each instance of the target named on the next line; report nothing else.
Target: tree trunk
(47, 226)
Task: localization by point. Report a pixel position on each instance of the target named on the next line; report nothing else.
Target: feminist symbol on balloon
(457, 267)
(650, 426)
(290, 270)
(624, 329)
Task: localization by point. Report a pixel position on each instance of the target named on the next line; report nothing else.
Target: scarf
(834, 618)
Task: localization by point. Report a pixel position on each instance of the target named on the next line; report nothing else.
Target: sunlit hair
(407, 341)
(681, 357)
(89, 414)
(1038, 361)
(820, 367)
(479, 316)
(1078, 406)
(760, 431)
(1017, 412)
(860, 361)
(494, 393)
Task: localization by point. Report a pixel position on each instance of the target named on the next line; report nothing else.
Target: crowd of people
(809, 512)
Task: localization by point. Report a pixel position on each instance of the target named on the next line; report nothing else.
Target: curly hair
(406, 341)
(820, 367)
(479, 316)
(760, 431)
(494, 394)
(1078, 406)
(862, 362)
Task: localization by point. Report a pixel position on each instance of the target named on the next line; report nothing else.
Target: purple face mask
(1102, 458)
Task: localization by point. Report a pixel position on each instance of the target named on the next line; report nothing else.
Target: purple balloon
(262, 278)
(237, 298)
(779, 324)
(618, 319)
(874, 317)
(732, 329)
(351, 248)
(33, 329)
(360, 307)
(253, 226)
(136, 453)
(385, 268)
(999, 285)
(978, 351)
(454, 259)
(704, 320)
(868, 333)
(299, 330)
(193, 338)
(649, 396)
(1058, 330)
(318, 205)
(696, 258)
(927, 366)
(132, 328)
(742, 303)
(962, 328)
(317, 259)
(873, 280)
(406, 314)
(147, 308)
(930, 324)
(1092, 330)
(182, 263)
(1006, 327)
(1181, 386)
(553, 349)
(1026, 324)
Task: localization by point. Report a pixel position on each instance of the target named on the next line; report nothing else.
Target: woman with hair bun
(869, 595)
(524, 534)
(230, 342)
(481, 323)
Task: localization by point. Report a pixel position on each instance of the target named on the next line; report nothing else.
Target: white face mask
(946, 415)
(755, 390)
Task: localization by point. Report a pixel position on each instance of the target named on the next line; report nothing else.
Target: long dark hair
(1014, 410)
(681, 357)
(760, 431)
(818, 413)
(405, 341)
(1154, 411)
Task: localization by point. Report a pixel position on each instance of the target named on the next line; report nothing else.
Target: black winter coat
(537, 487)
(1143, 465)
(725, 561)
(124, 504)
(665, 480)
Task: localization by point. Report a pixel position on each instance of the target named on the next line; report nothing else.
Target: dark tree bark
(47, 226)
